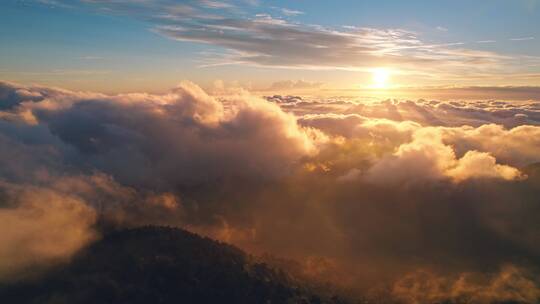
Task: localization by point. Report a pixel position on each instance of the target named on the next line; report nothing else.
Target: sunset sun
(380, 78)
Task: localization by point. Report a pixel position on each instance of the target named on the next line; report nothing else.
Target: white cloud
(291, 12)
(522, 39)
(442, 28)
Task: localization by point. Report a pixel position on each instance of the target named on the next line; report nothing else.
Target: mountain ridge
(164, 265)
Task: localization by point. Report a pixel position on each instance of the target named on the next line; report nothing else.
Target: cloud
(487, 92)
(506, 145)
(426, 157)
(379, 189)
(49, 217)
(291, 12)
(265, 40)
(522, 39)
(509, 284)
(91, 58)
(426, 112)
(476, 164)
(176, 136)
(187, 120)
(54, 3)
(442, 28)
(11, 97)
(40, 226)
(216, 4)
(288, 85)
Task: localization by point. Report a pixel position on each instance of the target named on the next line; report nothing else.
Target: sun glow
(380, 78)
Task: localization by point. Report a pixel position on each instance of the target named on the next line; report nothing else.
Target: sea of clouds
(427, 200)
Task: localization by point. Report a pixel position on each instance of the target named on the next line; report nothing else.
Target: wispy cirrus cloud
(216, 4)
(442, 28)
(246, 37)
(522, 39)
(267, 41)
(288, 12)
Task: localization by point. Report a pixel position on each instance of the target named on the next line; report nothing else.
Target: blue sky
(150, 45)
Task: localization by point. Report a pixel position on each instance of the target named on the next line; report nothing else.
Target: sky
(316, 47)
(385, 145)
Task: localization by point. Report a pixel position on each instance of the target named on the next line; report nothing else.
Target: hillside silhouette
(163, 265)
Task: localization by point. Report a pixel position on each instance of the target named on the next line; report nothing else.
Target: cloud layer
(374, 192)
